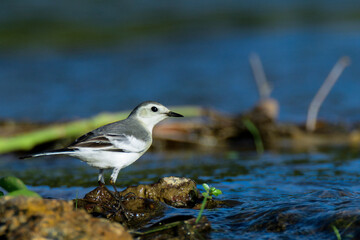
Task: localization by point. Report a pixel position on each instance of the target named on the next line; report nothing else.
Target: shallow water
(280, 196)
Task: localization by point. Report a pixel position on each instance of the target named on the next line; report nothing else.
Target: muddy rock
(174, 191)
(130, 210)
(35, 218)
(137, 205)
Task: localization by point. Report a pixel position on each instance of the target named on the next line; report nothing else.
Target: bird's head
(150, 113)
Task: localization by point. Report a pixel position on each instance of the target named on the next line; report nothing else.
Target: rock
(174, 191)
(137, 211)
(11, 183)
(15, 187)
(35, 218)
(137, 205)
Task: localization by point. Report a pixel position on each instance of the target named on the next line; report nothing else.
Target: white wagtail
(119, 144)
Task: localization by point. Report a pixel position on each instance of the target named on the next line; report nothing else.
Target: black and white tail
(56, 152)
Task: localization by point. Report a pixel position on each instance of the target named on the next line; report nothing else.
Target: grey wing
(83, 138)
(111, 142)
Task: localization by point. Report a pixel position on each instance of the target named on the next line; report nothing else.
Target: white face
(152, 113)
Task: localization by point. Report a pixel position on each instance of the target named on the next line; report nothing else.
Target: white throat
(149, 123)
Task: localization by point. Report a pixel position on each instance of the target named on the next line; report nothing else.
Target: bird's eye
(154, 109)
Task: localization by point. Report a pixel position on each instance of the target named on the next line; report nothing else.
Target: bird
(118, 144)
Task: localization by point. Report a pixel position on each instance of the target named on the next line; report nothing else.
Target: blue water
(207, 70)
(280, 195)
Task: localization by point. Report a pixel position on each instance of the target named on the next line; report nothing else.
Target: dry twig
(263, 85)
(324, 90)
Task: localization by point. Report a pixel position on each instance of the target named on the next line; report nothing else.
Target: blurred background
(67, 60)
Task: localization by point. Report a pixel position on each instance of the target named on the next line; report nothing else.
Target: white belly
(107, 159)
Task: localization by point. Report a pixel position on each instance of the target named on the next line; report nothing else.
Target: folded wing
(111, 142)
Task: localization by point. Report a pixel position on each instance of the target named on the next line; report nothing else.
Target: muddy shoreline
(128, 213)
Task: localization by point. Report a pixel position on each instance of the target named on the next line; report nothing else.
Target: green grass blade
(256, 135)
(336, 231)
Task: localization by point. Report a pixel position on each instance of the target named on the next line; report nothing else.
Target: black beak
(174, 114)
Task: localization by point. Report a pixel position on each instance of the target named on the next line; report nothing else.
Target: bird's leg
(115, 189)
(101, 180)
(113, 178)
(112, 182)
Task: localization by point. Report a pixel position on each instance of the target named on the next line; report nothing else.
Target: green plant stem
(159, 228)
(201, 209)
(256, 135)
(336, 231)
(76, 201)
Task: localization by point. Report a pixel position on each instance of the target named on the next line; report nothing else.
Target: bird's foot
(120, 200)
(101, 184)
(117, 195)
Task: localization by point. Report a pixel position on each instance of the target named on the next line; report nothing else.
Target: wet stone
(132, 211)
(137, 205)
(174, 191)
(35, 218)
